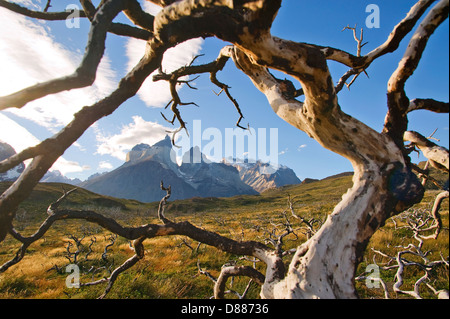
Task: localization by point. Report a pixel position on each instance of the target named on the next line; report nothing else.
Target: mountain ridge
(146, 166)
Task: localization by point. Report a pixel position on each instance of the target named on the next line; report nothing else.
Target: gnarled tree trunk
(324, 266)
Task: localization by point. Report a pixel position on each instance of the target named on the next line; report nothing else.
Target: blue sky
(54, 50)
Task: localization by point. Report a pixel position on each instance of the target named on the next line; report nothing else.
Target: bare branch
(357, 63)
(344, 78)
(417, 45)
(115, 28)
(138, 16)
(417, 222)
(85, 74)
(54, 206)
(401, 30)
(427, 267)
(428, 104)
(139, 249)
(380, 280)
(162, 204)
(435, 212)
(139, 234)
(398, 104)
(93, 241)
(225, 88)
(437, 155)
(48, 5)
(213, 68)
(227, 272)
(390, 45)
(359, 40)
(309, 224)
(48, 151)
(424, 174)
(112, 240)
(43, 15)
(120, 28)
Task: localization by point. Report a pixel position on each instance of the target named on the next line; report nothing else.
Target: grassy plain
(170, 268)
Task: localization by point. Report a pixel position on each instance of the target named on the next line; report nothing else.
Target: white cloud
(20, 138)
(105, 165)
(65, 166)
(140, 131)
(30, 55)
(157, 94)
(15, 135)
(301, 147)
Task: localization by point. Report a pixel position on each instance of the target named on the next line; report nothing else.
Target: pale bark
(416, 222)
(438, 155)
(231, 271)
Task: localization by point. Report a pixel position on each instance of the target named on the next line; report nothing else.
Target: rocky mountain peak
(262, 176)
(6, 151)
(140, 148)
(139, 177)
(166, 142)
(161, 152)
(195, 156)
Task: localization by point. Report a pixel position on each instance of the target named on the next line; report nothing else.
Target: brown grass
(169, 268)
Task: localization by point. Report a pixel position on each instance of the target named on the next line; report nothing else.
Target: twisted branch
(42, 15)
(139, 234)
(85, 74)
(398, 103)
(213, 68)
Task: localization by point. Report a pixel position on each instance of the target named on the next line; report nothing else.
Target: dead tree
(383, 184)
(419, 223)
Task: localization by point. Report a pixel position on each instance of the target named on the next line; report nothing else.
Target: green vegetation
(170, 268)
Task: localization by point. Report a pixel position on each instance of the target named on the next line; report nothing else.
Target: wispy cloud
(105, 165)
(66, 166)
(29, 55)
(16, 135)
(301, 147)
(140, 131)
(20, 138)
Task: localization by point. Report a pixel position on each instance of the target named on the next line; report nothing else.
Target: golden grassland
(170, 268)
